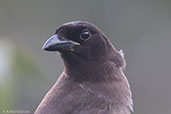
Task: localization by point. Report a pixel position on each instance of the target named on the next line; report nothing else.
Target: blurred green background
(142, 28)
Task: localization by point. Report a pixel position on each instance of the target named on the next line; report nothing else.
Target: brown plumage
(92, 81)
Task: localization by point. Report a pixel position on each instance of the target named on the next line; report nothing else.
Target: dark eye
(85, 35)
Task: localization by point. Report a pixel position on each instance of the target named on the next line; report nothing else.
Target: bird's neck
(103, 67)
(92, 71)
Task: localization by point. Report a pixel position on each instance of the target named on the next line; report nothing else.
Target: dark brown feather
(93, 81)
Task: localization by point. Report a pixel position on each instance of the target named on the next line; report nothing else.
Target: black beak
(55, 44)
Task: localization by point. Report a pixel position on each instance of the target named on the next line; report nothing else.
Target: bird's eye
(85, 35)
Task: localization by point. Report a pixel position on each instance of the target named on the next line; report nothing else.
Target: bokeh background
(142, 28)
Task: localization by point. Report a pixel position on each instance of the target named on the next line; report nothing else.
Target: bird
(93, 80)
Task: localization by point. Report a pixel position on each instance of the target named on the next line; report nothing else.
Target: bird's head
(80, 41)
